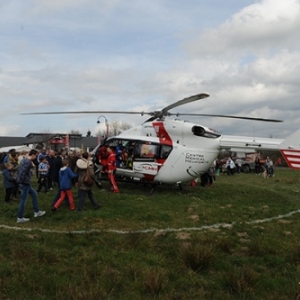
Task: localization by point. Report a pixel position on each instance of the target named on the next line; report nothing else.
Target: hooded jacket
(65, 178)
(8, 180)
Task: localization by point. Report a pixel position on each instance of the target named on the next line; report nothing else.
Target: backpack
(88, 179)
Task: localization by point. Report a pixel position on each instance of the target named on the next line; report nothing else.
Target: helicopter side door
(145, 159)
(139, 159)
(150, 157)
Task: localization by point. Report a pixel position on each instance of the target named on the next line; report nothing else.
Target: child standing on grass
(43, 170)
(65, 182)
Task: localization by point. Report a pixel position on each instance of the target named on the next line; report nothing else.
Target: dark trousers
(8, 193)
(43, 182)
(81, 197)
(230, 171)
(257, 169)
(50, 184)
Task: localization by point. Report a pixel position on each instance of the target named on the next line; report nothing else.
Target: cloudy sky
(144, 55)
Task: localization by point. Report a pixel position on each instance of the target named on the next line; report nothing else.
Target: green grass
(236, 240)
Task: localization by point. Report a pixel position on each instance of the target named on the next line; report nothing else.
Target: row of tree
(114, 128)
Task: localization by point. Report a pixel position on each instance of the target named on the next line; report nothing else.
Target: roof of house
(7, 141)
(75, 140)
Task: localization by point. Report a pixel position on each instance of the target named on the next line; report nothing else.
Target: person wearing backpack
(82, 165)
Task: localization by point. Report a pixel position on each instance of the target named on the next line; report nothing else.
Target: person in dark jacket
(257, 165)
(13, 161)
(50, 158)
(65, 182)
(9, 182)
(57, 165)
(24, 174)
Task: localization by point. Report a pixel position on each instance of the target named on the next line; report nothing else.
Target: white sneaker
(22, 220)
(39, 213)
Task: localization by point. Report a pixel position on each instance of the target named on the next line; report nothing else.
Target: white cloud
(259, 28)
(7, 130)
(111, 55)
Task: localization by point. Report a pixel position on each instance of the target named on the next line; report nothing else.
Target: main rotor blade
(184, 101)
(225, 116)
(155, 114)
(87, 112)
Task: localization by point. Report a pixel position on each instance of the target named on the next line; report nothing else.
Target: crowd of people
(54, 170)
(230, 167)
(62, 170)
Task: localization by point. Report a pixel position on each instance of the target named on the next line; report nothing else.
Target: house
(6, 141)
(53, 141)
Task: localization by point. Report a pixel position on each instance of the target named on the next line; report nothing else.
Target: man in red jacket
(102, 158)
(111, 169)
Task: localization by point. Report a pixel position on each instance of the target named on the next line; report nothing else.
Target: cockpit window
(165, 151)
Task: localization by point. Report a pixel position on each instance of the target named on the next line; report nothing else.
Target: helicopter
(172, 151)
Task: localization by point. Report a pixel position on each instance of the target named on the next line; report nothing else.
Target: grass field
(236, 240)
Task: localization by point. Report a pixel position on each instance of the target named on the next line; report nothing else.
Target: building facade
(52, 141)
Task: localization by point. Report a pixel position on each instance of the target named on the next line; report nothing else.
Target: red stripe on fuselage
(164, 138)
(161, 133)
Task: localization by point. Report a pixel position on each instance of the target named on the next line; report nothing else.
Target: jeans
(81, 198)
(25, 190)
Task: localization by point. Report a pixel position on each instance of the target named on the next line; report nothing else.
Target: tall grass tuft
(197, 257)
(155, 281)
(241, 280)
(260, 248)
(293, 254)
(225, 245)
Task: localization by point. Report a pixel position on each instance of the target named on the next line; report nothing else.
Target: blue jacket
(65, 178)
(24, 171)
(8, 180)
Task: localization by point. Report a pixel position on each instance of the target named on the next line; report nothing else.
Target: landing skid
(179, 184)
(153, 185)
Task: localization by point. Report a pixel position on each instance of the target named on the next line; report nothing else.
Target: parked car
(249, 166)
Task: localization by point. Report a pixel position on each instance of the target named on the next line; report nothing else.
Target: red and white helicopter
(162, 150)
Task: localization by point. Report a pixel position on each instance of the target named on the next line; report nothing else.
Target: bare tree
(114, 128)
(75, 132)
(117, 127)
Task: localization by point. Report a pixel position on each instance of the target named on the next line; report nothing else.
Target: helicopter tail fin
(290, 150)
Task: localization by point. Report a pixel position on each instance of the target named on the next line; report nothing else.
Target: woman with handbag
(84, 165)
